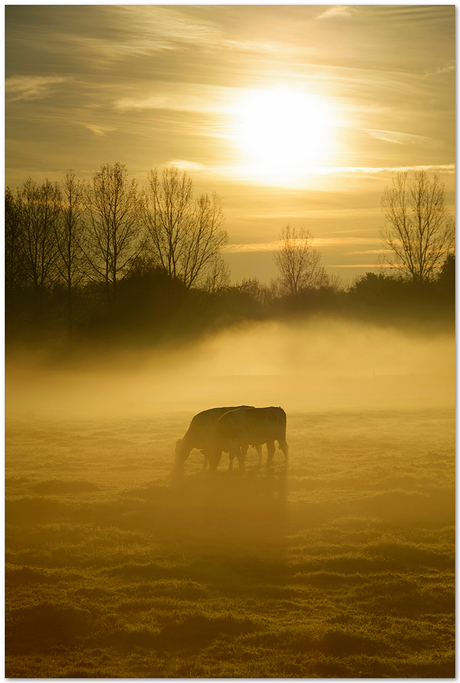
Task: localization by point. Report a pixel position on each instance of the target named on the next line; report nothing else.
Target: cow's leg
(234, 451)
(241, 453)
(259, 453)
(205, 459)
(213, 458)
(271, 452)
(285, 448)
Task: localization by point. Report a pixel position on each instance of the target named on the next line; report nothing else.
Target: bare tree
(185, 235)
(218, 275)
(70, 234)
(298, 262)
(418, 231)
(257, 291)
(14, 257)
(39, 209)
(114, 226)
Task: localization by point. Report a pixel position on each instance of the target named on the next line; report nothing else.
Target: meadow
(343, 569)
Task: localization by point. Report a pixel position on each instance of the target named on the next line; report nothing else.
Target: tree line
(106, 260)
(72, 234)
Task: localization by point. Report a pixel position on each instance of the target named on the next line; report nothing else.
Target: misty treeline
(105, 261)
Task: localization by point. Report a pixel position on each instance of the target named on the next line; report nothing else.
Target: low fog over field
(322, 364)
(344, 568)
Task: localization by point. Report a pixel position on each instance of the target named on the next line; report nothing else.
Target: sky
(293, 114)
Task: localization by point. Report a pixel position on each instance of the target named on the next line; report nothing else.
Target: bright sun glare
(283, 133)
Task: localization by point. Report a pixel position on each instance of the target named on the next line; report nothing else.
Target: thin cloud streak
(368, 252)
(430, 168)
(99, 130)
(137, 31)
(171, 24)
(183, 97)
(447, 68)
(246, 248)
(187, 166)
(338, 12)
(398, 138)
(318, 242)
(319, 213)
(373, 266)
(31, 87)
(232, 171)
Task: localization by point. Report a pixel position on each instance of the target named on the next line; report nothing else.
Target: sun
(283, 133)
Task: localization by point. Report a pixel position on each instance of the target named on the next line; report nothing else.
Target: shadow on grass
(44, 627)
(57, 487)
(197, 631)
(229, 515)
(342, 644)
(244, 573)
(26, 577)
(435, 506)
(191, 634)
(37, 510)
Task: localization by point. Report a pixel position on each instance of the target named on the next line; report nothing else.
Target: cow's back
(255, 426)
(203, 425)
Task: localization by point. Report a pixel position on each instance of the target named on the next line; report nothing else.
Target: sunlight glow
(283, 133)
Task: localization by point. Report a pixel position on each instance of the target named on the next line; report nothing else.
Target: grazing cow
(254, 426)
(200, 433)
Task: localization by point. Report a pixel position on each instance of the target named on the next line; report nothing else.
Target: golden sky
(294, 114)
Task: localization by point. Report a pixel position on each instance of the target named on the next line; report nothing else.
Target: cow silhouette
(200, 435)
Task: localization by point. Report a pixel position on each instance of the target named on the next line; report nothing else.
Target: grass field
(344, 569)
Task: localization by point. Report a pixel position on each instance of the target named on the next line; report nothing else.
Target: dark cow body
(200, 434)
(254, 426)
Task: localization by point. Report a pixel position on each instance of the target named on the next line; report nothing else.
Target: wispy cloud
(335, 241)
(368, 251)
(99, 130)
(441, 70)
(311, 214)
(245, 248)
(187, 97)
(169, 25)
(396, 137)
(30, 87)
(87, 48)
(255, 47)
(338, 12)
(187, 166)
(320, 242)
(129, 31)
(430, 168)
(176, 27)
(355, 265)
(238, 172)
